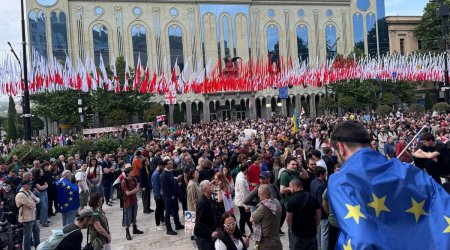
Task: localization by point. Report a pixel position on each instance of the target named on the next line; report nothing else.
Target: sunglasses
(233, 224)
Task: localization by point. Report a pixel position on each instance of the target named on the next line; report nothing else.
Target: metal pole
(26, 92)
(413, 139)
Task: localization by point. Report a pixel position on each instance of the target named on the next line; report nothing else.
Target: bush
(416, 108)
(383, 110)
(132, 141)
(27, 153)
(106, 145)
(81, 147)
(153, 111)
(57, 151)
(441, 107)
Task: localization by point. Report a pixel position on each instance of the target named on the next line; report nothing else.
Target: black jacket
(206, 221)
(146, 179)
(169, 187)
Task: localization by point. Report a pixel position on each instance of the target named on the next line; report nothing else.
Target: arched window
(176, 46)
(358, 32)
(226, 36)
(139, 40)
(302, 42)
(371, 34)
(273, 43)
(331, 40)
(38, 39)
(101, 46)
(59, 35)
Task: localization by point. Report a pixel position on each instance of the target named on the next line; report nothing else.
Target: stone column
(312, 105)
(253, 110)
(189, 112)
(206, 115)
(171, 108)
(284, 107)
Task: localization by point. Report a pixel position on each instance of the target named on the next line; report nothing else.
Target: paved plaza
(151, 239)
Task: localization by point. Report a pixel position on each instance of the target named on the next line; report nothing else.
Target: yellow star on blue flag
(410, 210)
(67, 201)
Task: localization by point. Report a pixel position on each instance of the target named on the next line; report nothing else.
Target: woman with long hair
(222, 193)
(42, 186)
(230, 238)
(94, 176)
(99, 234)
(193, 189)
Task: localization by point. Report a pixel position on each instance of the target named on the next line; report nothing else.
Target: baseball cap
(87, 212)
(264, 175)
(127, 170)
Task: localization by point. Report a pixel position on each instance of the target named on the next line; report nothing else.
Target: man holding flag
(68, 199)
(384, 204)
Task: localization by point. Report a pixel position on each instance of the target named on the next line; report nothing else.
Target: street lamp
(26, 92)
(80, 111)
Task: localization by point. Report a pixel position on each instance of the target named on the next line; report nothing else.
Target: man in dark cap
(74, 239)
(130, 188)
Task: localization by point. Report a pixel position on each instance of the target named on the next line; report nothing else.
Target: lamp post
(443, 13)
(80, 111)
(26, 92)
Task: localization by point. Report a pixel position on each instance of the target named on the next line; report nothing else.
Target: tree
(441, 107)
(11, 125)
(36, 123)
(153, 110)
(384, 110)
(348, 102)
(118, 117)
(177, 119)
(428, 102)
(429, 30)
(327, 103)
(416, 108)
(388, 99)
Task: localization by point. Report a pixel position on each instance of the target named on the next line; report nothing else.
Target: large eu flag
(67, 195)
(387, 204)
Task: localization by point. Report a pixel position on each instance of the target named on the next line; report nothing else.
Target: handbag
(88, 245)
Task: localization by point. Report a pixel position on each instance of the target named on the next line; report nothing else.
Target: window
(302, 43)
(371, 34)
(363, 5)
(402, 46)
(176, 46)
(101, 46)
(38, 36)
(273, 45)
(226, 36)
(59, 35)
(358, 32)
(331, 41)
(139, 41)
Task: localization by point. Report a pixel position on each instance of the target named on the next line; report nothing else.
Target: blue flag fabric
(67, 196)
(387, 204)
(283, 92)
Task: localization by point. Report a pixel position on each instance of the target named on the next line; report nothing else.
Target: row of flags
(51, 75)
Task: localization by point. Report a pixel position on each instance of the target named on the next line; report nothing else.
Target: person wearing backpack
(72, 236)
(26, 202)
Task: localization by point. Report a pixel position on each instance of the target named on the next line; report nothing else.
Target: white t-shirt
(220, 246)
(81, 176)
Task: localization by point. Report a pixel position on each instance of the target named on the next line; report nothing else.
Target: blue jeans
(43, 204)
(130, 214)
(322, 234)
(68, 217)
(171, 210)
(28, 228)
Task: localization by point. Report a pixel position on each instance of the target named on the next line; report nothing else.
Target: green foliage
(118, 117)
(388, 99)
(27, 153)
(132, 141)
(81, 147)
(429, 30)
(441, 107)
(36, 123)
(428, 102)
(348, 102)
(416, 109)
(11, 128)
(106, 145)
(327, 103)
(152, 111)
(177, 118)
(384, 110)
(57, 151)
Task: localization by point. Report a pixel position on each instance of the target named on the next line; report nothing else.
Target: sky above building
(10, 25)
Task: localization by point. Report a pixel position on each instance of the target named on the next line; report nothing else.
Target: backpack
(54, 240)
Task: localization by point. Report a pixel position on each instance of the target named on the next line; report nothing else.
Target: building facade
(401, 34)
(167, 34)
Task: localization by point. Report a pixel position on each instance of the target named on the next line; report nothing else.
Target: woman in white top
(230, 238)
(94, 176)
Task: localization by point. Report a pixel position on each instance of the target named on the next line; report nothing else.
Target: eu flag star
(417, 209)
(354, 212)
(66, 205)
(63, 183)
(70, 199)
(70, 193)
(68, 187)
(447, 230)
(348, 246)
(378, 204)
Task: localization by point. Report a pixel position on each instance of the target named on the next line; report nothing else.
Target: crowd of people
(242, 187)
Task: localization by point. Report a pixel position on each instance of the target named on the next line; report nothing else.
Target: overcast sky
(10, 20)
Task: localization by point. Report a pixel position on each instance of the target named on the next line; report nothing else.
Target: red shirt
(253, 175)
(405, 156)
(129, 185)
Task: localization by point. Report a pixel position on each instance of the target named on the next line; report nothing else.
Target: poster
(189, 222)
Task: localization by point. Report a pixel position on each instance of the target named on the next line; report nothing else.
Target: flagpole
(26, 92)
(413, 139)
